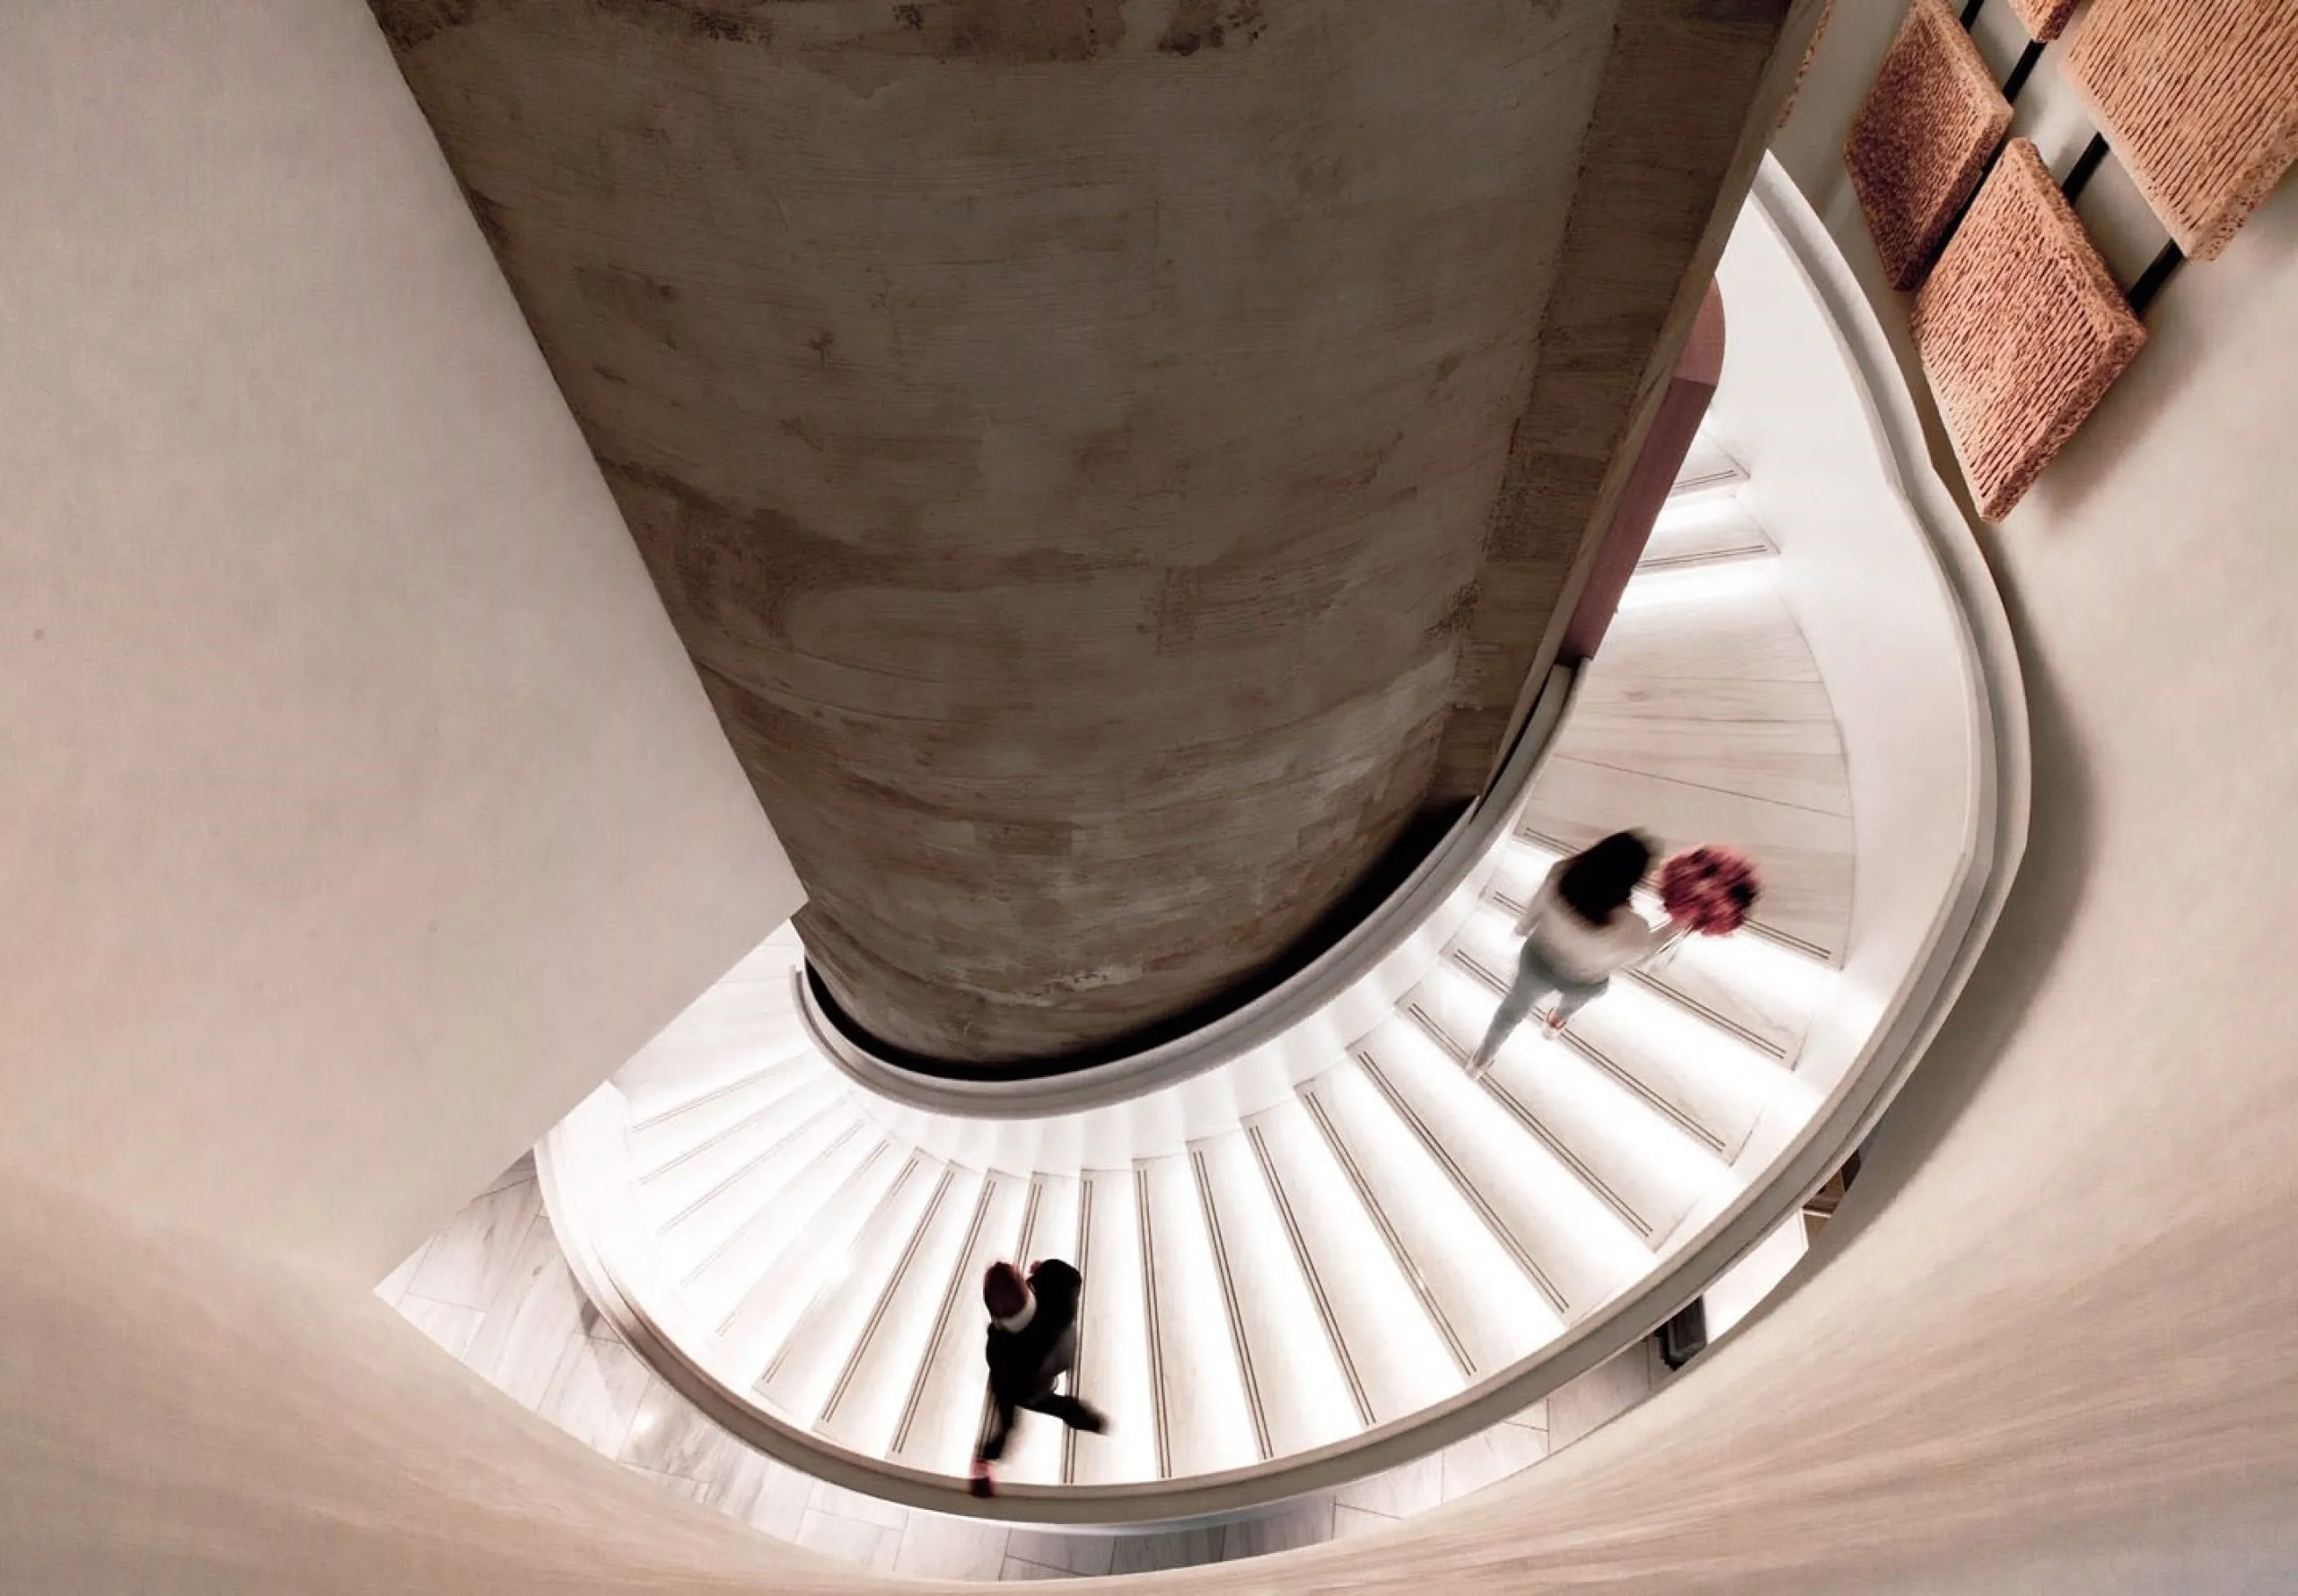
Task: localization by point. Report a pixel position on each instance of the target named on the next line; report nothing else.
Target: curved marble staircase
(1325, 1239)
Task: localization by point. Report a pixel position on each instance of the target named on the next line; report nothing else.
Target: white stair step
(1709, 1081)
(1393, 1349)
(821, 1255)
(941, 1421)
(1292, 1375)
(1707, 469)
(1661, 594)
(1036, 1451)
(684, 1160)
(751, 1201)
(1748, 635)
(802, 1375)
(752, 1211)
(717, 1285)
(1202, 1419)
(1495, 1311)
(1763, 992)
(1113, 1336)
(1697, 530)
(1576, 1246)
(672, 1132)
(696, 1203)
(1642, 1164)
(732, 1003)
(865, 1404)
(662, 1079)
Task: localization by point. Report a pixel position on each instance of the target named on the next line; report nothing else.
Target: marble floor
(494, 1290)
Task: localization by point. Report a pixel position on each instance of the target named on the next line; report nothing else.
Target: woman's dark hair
(1003, 1292)
(1597, 882)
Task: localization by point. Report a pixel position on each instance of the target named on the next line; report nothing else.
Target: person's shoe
(1095, 1421)
(981, 1485)
(1552, 1028)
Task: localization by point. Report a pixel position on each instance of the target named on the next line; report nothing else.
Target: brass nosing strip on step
(1243, 1350)
(1290, 1220)
(829, 1200)
(1021, 1261)
(764, 1110)
(1532, 1124)
(750, 1166)
(1435, 1146)
(1733, 475)
(1028, 1239)
(1149, 1309)
(1675, 1113)
(716, 1092)
(1382, 1223)
(1705, 558)
(885, 1298)
(1651, 983)
(823, 1292)
(828, 1150)
(1077, 1376)
(946, 1317)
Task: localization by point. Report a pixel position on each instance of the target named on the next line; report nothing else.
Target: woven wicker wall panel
(1921, 140)
(2021, 330)
(2044, 20)
(2199, 100)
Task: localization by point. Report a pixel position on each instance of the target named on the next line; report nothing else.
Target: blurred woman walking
(1579, 930)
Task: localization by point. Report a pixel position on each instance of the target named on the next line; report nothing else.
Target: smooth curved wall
(359, 810)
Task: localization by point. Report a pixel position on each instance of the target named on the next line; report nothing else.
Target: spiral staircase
(1335, 1239)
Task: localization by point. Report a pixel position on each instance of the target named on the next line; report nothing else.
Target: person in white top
(1579, 930)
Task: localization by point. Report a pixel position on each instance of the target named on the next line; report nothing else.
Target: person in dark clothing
(1033, 1344)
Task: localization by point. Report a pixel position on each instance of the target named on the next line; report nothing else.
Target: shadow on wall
(2167, 375)
(2060, 850)
(2044, 901)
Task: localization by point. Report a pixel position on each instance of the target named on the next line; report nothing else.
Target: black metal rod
(1970, 14)
(2078, 176)
(2157, 273)
(2020, 74)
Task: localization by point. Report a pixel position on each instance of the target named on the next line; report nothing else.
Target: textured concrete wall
(1069, 436)
(359, 811)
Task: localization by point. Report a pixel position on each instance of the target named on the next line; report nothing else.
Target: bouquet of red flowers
(1709, 889)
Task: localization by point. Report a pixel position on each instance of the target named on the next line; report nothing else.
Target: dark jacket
(1025, 1365)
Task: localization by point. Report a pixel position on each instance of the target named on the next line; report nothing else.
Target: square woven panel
(1921, 141)
(2021, 330)
(2199, 101)
(2044, 20)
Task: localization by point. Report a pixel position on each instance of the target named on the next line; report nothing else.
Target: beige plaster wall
(358, 808)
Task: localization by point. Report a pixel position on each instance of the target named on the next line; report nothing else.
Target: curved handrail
(1250, 1024)
(1995, 842)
